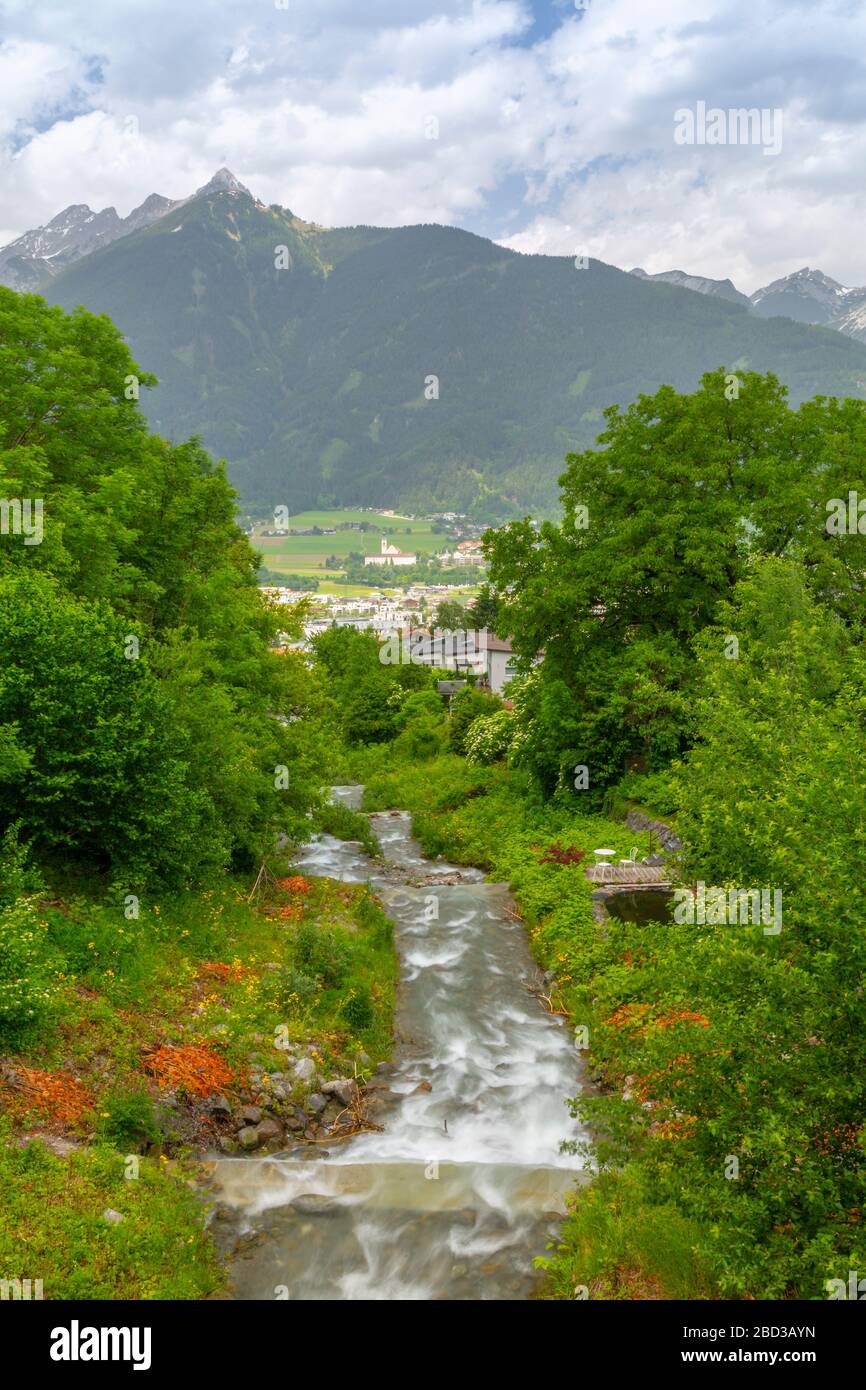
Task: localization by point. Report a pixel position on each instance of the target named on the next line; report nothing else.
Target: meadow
(307, 554)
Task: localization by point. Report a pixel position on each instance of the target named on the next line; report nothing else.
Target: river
(465, 1184)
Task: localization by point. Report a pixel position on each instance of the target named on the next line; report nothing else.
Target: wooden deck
(641, 875)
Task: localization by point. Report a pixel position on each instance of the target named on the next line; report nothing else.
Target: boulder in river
(268, 1131)
(345, 1091)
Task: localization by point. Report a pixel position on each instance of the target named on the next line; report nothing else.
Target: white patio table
(603, 858)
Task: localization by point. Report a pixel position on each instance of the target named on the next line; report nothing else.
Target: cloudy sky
(545, 124)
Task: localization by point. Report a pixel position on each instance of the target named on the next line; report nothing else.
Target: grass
(307, 554)
(616, 1244)
(52, 1226)
(346, 824)
(197, 969)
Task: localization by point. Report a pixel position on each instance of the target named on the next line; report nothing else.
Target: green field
(307, 554)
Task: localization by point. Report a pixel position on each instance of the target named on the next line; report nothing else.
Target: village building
(466, 553)
(499, 662)
(391, 555)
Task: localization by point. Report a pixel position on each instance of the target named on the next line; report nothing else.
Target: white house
(391, 555)
(500, 665)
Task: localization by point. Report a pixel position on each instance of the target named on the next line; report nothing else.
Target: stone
(268, 1131)
(345, 1091)
(61, 1147)
(218, 1105)
(294, 1123)
(363, 1059)
(421, 1087)
(250, 1115)
(304, 1071)
(112, 1217)
(316, 1102)
(228, 1145)
(248, 1137)
(385, 1069)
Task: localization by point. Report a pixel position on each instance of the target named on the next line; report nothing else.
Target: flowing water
(465, 1185)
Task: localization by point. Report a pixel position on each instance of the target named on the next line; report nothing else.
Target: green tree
(140, 541)
(659, 525)
(108, 777)
(485, 610)
(452, 616)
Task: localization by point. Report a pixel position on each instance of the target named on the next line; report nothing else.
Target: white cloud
(322, 107)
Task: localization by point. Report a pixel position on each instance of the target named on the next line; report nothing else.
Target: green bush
(420, 740)
(654, 791)
(321, 954)
(467, 706)
(288, 987)
(357, 1009)
(28, 990)
(127, 1120)
(489, 737)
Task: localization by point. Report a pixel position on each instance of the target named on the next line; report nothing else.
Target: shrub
(27, 987)
(320, 953)
(357, 1008)
(489, 737)
(288, 987)
(128, 1120)
(653, 790)
(557, 854)
(420, 740)
(18, 875)
(467, 706)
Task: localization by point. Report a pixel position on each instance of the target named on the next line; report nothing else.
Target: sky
(547, 125)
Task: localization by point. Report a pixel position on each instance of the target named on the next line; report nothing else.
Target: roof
(498, 644)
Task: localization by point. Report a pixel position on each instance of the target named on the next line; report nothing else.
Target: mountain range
(422, 367)
(807, 296)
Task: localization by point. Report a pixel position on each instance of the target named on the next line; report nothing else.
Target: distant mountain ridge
(810, 296)
(33, 259)
(724, 289)
(806, 296)
(422, 367)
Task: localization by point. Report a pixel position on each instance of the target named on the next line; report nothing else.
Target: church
(390, 555)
